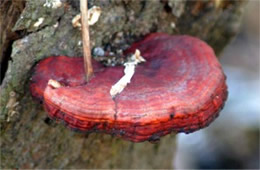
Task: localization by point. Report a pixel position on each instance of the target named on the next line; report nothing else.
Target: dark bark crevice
(10, 12)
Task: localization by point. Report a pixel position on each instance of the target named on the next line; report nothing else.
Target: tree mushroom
(180, 88)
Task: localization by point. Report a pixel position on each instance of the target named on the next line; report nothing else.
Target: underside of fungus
(180, 88)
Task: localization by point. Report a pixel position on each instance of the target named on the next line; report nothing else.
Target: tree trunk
(33, 30)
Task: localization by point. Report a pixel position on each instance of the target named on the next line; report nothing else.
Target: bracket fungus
(180, 88)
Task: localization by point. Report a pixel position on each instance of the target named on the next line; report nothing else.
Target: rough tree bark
(28, 139)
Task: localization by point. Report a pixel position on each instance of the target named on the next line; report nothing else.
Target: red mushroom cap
(180, 88)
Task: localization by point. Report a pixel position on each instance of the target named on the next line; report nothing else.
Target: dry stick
(85, 37)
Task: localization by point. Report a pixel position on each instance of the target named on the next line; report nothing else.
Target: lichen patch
(39, 22)
(52, 4)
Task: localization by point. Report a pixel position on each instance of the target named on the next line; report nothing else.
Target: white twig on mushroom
(129, 72)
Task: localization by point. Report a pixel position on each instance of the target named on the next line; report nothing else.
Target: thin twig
(85, 38)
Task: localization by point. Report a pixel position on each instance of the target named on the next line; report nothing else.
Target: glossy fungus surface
(180, 88)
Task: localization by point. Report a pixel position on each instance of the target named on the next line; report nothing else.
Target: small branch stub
(54, 84)
(93, 16)
(85, 37)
